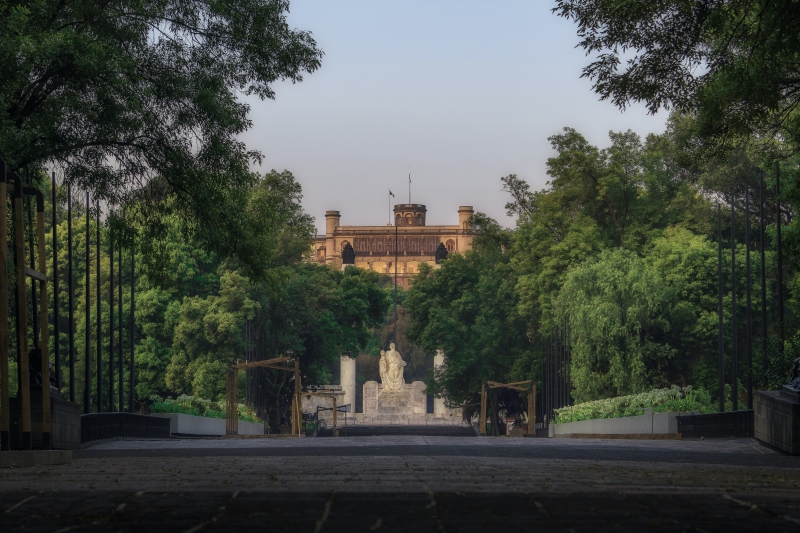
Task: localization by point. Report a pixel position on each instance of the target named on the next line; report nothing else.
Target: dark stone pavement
(415, 484)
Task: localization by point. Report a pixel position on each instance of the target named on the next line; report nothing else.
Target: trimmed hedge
(674, 398)
(189, 405)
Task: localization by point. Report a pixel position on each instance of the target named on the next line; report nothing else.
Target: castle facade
(409, 239)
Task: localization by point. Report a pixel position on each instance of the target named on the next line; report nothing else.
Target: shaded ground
(397, 431)
(409, 484)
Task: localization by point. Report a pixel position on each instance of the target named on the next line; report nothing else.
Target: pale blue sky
(462, 92)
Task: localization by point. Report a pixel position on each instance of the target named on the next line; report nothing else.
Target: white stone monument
(393, 400)
(347, 376)
(439, 409)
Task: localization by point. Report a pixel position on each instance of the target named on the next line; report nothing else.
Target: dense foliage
(189, 405)
(620, 249)
(190, 316)
(140, 102)
(686, 399)
(733, 62)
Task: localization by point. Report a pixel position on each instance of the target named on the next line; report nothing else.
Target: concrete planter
(180, 424)
(647, 424)
(777, 419)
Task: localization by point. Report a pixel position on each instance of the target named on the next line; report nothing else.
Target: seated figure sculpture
(391, 370)
(794, 384)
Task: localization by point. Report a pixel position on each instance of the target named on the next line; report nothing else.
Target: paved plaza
(414, 484)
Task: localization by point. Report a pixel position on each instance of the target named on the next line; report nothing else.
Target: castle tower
(409, 215)
(331, 223)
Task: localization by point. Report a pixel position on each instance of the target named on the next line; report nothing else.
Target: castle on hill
(373, 247)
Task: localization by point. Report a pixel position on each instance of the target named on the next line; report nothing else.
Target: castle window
(450, 245)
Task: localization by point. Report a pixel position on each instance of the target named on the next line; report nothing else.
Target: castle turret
(331, 223)
(409, 214)
(464, 212)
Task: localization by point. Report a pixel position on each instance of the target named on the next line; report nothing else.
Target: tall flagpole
(409, 188)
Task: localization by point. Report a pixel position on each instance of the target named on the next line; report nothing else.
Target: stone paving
(444, 484)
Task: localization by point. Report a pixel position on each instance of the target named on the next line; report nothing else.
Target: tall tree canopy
(735, 62)
(123, 94)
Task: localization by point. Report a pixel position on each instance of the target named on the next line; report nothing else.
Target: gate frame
(232, 391)
(23, 272)
(517, 386)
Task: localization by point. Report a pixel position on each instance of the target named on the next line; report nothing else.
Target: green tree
(733, 62)
(467, 308)
(121, 94)
(621, 196)
(613, 304)
(208, 337)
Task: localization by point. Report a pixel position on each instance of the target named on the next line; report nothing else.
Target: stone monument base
(428, 419)
(412, 400)
(395, 403)
(777, 419)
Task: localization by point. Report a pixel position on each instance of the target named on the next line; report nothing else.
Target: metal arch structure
(528, 386)
(330, 394)
(232, 391)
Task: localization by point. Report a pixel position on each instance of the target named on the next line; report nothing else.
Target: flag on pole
(391, 193)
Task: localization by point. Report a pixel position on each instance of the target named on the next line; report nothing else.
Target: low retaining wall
(429, 419)
(646, 424)
(777, 419)
(101, 426)
(181, 424)
(65, 420)
(717, 425)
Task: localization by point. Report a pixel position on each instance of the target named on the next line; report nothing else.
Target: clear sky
(459, 92)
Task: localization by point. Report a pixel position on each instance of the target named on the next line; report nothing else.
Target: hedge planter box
(777, 419)
(180, 424)
(646, 424)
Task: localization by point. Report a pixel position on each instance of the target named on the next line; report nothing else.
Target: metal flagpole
(120, 379)
(779, 255)
(34, 299)
(131, 379)
(395, 284)
(87, 375)
(70, 298)
(111, 318)
(56, 329)
(749, 382)
(721, 369)
(764, 364)
(99, 332)
(734, 317)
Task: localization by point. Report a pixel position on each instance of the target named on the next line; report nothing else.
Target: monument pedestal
(777, 419)
(395, 407)
(394, 403)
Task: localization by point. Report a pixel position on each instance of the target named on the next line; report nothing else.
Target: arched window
(450, 245)
(409, 220)
(419, 219)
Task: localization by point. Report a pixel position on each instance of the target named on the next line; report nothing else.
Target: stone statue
(348, 255)
(382, 367)
(795, 382)
(441, 253)
(391, 370)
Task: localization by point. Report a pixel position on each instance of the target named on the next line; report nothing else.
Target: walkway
(415, 484)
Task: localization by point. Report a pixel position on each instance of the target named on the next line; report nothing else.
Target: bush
(660, 400)
(189, 405)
